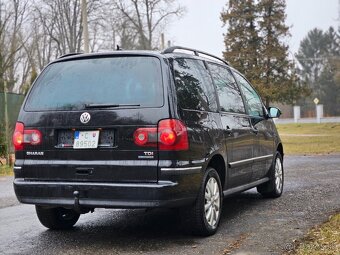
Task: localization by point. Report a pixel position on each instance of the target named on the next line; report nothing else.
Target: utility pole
(6, 126)
(85, 26)
(162, 41)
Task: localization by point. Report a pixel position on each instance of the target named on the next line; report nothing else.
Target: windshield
(73, 85)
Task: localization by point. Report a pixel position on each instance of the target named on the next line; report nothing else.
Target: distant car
(138, 129)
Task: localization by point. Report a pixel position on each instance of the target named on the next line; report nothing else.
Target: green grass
(310, 138)
(6, 170)
(324, 239)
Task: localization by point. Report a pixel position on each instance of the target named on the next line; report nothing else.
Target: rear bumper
(108, 195)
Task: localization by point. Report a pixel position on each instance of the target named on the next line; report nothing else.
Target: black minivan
(143, 129)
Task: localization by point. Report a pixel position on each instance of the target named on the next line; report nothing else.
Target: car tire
(274, 187)
(203, 217)
(57, 218)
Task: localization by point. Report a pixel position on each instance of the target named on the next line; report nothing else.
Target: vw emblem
(85, 117)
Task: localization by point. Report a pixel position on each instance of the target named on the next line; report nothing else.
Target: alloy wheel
(278, 176)
(212, 202)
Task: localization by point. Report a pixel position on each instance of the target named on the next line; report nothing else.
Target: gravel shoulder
(250, 224)
(311, 196)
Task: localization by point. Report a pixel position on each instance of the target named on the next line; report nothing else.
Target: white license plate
(85, 139)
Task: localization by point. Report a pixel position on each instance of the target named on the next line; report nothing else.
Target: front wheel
(204, 216)
(57, 218)
(274, 187)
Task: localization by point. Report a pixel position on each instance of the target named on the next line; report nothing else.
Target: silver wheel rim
(212, 202)
(278, 175)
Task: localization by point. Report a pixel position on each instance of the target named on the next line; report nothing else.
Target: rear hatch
(87, 111)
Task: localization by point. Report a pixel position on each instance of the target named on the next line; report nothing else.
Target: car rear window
(70, 85)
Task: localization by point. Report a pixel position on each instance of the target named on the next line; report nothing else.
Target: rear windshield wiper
(109, 105)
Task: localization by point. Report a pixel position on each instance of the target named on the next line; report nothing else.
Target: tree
(61, 20)
(329, 88)
(12, 18)
(3, 146)
(242, 40)
(254, 45)
(279, 81)
(146, 19)
(33, 33)
(319, 57)
(311, 55)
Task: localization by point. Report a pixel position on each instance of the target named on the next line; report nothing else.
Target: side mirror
(274, 112)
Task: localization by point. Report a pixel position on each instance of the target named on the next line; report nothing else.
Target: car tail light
(145, 137)
(18, 136)
(22, 136)
(171, 134)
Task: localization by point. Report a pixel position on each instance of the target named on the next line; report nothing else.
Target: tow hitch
(77, 206)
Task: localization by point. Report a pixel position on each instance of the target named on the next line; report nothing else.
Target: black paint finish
(123, 174)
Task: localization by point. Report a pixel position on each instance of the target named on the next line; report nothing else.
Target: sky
(202, 29)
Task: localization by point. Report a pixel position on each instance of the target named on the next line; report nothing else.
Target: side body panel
(239, 142)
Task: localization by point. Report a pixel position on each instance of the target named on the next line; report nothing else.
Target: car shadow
(138, 229)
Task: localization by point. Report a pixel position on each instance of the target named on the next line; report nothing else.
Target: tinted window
(252, 99)
(227, 90)
(194, 85)
(70, 85)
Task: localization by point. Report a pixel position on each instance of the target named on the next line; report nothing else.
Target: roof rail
(196, 52)
(70, 54)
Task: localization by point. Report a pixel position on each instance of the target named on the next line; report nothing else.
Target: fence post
(6, 125)
(297, 113)
(319, 112)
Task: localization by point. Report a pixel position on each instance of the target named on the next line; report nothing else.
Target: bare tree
(35, 32)
(41, 48)
(12, 17)
(116, 29)
(61, 21)
(147, 19)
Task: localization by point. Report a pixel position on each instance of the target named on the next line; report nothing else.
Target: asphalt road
(249, 225)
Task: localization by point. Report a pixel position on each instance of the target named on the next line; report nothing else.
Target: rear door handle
(229, 130)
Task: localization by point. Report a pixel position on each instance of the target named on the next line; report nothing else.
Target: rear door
(236, 125)
(87, 111)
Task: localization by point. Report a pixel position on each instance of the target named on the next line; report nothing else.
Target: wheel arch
(217, 162)
(280, 149)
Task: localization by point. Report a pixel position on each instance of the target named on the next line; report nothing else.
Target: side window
(227, 89)
(253, 101)
(194, 86)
